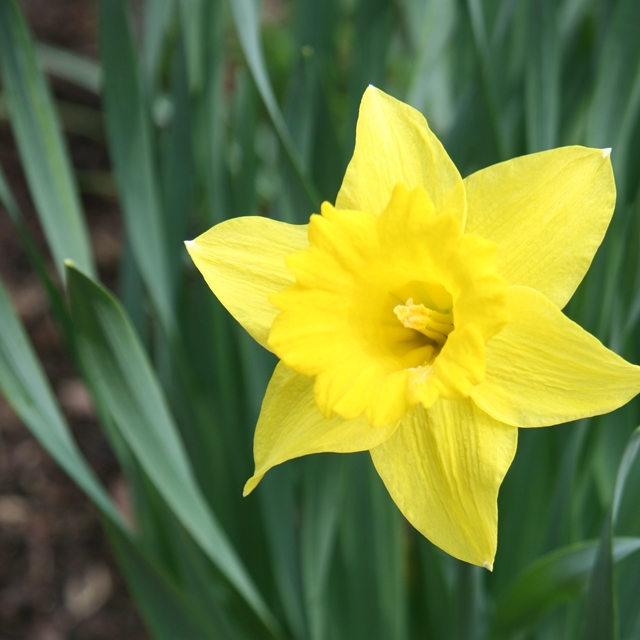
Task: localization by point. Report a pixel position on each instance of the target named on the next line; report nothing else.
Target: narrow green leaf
(37, 132)
(202, 586)
(278, 509)
(373, 23)
(130, 143)
(433, 604)
(57, 303)
(321, 504)
(70, 66)
(555, 578)
(617, 69)
(430, 89)
(24, 385)
(242, 154)
(210, 113)
(121, 374)
(176, 163)
(306, 114)
(600, 621)
(157, 20)
(191, 21)
(623, 472)
(26, 388)
(245, 16)
(487, 61)
(165, 609)
(542, 88)
(600, 614)
(469, 602)
(365, 616)
(390, 560)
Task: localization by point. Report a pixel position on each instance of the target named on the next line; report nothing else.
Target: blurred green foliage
(227, 109)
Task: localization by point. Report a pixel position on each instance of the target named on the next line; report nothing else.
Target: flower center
(371, 314)
(433, 324)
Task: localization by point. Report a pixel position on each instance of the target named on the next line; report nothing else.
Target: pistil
(436, 325)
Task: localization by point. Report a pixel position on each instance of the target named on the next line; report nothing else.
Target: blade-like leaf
(70, 66)
(157, 20)
(245, 16)
(322, 497)
(555, 578)
(24, 385)
(191, 20)
(122, 376)
(542, 77)
(618, 66)
(600, 621)
(600, 616)
(130, 143)
(278, 509)
(37, 133)
(167, 613)
(58, 305)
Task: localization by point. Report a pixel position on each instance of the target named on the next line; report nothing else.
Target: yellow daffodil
(420, 318)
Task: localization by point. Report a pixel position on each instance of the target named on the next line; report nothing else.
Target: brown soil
(58, 578)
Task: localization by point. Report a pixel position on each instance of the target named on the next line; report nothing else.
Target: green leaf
(600, 622)
(373, 23)
(278, 509)
(554, 578)
(165, 609)
(617, 70)
(623, 472)
(122, 376)
(24, 385)
(542, 89)
(37, 133)
(130, 144)
(158, 15)
(429, 87)
(322, 494)
(191, 21)
(245, 16)
(600, 614)
(70, 66)
(58, 305)
(176, 163)
(374, 592)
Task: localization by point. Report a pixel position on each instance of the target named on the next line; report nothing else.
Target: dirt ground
(58, 578)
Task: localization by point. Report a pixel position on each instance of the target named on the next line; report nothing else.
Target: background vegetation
(216, 109)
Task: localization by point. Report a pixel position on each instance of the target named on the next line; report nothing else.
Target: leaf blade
(121, 374)
(37, 132)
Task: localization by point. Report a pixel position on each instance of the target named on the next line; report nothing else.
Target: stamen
(433, 324)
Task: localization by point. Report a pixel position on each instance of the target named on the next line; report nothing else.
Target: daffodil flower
(420, 317)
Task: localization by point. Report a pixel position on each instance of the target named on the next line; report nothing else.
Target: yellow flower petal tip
(251, 484)
(420, 317)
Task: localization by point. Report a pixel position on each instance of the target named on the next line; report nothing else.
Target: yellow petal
(543, 369)
(548, 213)
(443, 468)
(291, 425)
(394, 144)
(242, 260)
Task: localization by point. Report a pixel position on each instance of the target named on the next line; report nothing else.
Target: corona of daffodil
(420, 317)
